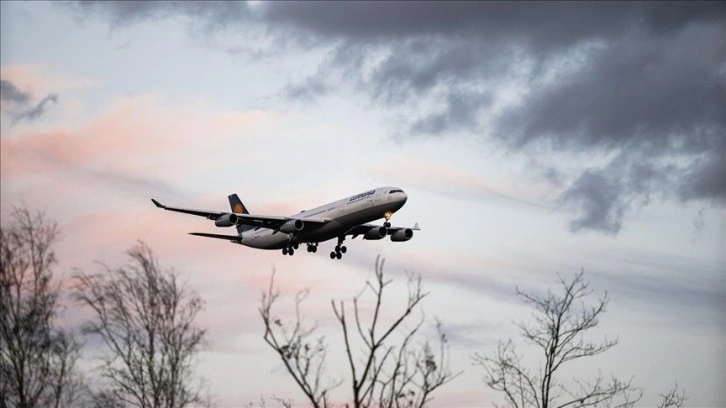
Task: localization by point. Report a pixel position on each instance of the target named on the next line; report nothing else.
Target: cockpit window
(395, 191)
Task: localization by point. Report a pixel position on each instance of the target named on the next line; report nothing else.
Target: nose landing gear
(387, 215)
(312, 247)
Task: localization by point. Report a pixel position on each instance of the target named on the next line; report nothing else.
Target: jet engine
(226, 220)
(402, 235)
(375, 233)
(292, 226)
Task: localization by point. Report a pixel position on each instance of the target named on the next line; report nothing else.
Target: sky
(532, 140)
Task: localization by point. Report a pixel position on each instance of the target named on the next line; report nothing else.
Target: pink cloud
(34, 79)
(142, 133)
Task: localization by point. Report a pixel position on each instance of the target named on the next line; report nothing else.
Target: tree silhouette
(560, 324)
(146, 320)
(673, 398)
(37, 358)
(383, 372)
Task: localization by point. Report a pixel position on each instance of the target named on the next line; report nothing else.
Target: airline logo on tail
(238, 208)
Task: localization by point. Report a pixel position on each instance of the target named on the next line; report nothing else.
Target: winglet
(158, 204)
(416, 228)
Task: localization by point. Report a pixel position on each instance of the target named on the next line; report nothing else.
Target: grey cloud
(213, 14)
(9, 92)
(599, 205)
(542, 25)
(37, 111)
(460, 112)
(706, 179)
(645, 82)
(600, 197)
(666, 92)
(309, 90)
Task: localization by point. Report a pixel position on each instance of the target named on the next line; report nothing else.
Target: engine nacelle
(226, 220)
(402, 235)
(292, 226)
(375, 233)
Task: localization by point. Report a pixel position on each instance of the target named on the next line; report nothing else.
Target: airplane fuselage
(343, 215)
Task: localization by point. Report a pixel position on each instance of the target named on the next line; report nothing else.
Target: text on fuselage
(361, 195)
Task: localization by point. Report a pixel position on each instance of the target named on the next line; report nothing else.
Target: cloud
(213, 14)
(640, 83)
(37, 111)
(10, 93)
(605, 80)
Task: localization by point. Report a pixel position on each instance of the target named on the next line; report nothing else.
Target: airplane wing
(363, 228)
(236, 238)
(265, 221)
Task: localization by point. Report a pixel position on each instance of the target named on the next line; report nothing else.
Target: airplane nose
(405, 197)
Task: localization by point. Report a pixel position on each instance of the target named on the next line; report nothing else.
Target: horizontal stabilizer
(218, 236)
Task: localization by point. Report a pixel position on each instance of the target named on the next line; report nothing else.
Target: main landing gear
(290, 249)
(340, 249)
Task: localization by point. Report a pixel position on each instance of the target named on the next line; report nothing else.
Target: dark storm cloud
(642, 82)
(10, 93)
(650, 86)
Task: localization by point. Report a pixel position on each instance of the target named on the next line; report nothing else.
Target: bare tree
(673, 399)
(385, 372)
(559, 328)
(37, 358)
(146, 320)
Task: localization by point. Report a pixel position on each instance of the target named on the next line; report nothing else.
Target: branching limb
(303, 358)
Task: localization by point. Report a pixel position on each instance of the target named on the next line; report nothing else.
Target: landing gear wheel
(291, 252)
(314, 249)
(387, 224)
(295, 246)
(284, 251)
(338, 255)
(343, 249)
(332, 255)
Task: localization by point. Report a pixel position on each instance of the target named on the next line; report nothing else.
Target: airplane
(350, 216)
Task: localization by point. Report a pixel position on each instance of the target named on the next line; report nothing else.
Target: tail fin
(237, 207)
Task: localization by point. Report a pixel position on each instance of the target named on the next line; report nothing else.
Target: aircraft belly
(267, 240)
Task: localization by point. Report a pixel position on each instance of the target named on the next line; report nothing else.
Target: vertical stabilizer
(238, 208)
